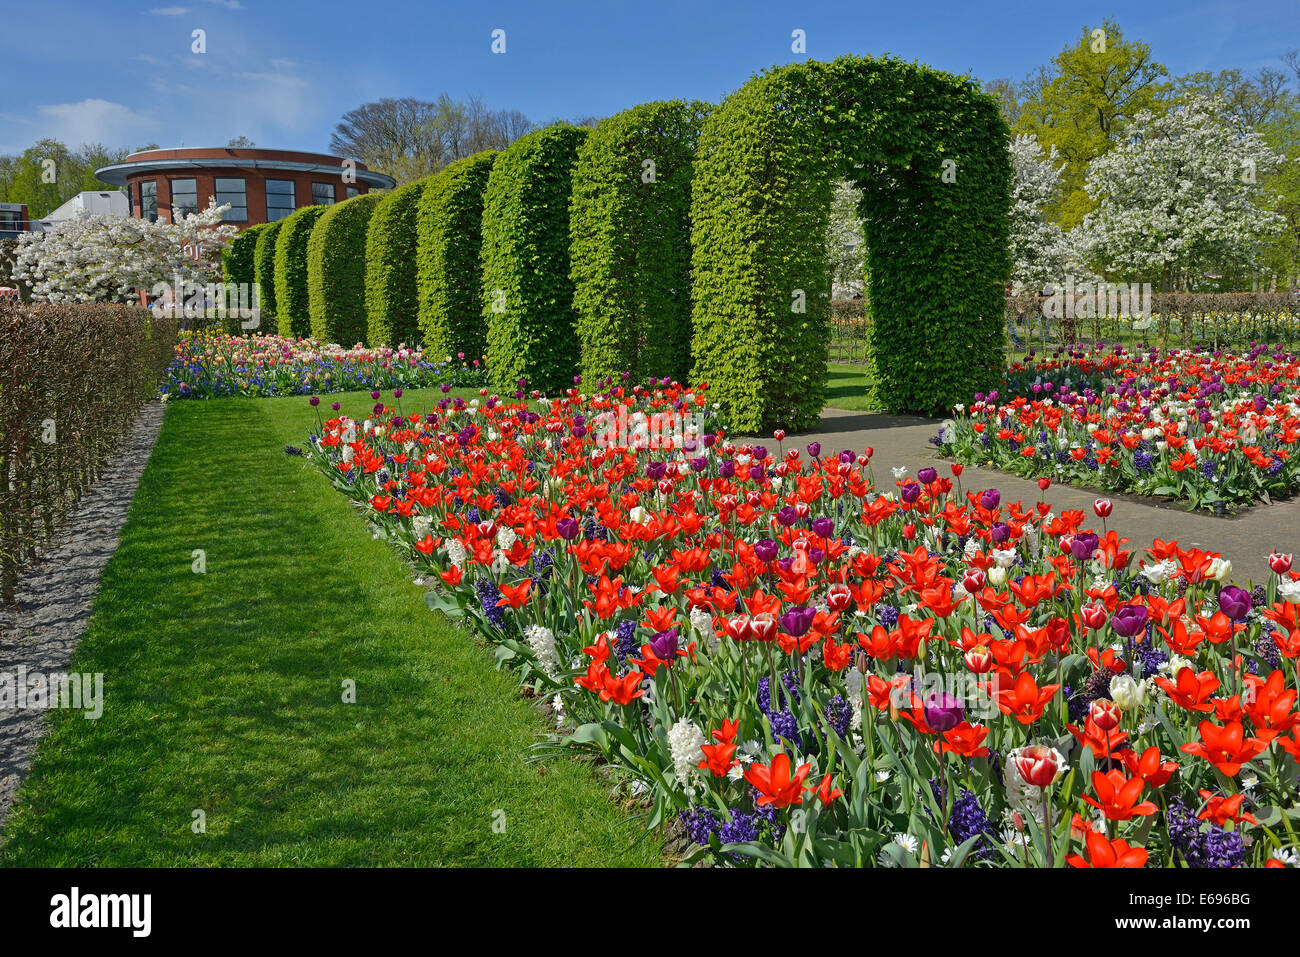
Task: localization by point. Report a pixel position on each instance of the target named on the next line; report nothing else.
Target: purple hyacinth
(488, 596)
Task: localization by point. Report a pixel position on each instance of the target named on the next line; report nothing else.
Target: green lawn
(847, 385)
(223, 691)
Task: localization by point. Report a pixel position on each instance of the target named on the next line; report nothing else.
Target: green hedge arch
(449, 274)
(630, 232)
(527, 292)
(929, 151)
(392, 302)
(336, 271)
(264, 274)
(292, 302)
(237, 266)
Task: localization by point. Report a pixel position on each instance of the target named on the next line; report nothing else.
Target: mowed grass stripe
(223, 691)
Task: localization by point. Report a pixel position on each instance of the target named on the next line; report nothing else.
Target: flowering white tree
(1180, 197)
(844, 242)
(1041, 251)
(97, 258)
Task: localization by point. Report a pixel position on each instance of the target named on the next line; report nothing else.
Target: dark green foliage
(631, 241)
(527, 292)
(391, 300)
(264, 274)
(237, 267)
(449, 274)
(292, 303)
(937, 259)
(336, 271)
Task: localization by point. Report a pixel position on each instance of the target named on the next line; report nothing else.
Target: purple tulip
(760, 453)
(756, 473)
(814, 449)
(1129, 620)
(1084, 545)
(1234, 602)
(926, 476)
(698, 464)
(568, 528)
(1000, 532)
(1261, 403)
(664, 645)
(765, 549)
(910, 492)
(797, 621)
(943, 711)
(655, 470)
(823, 527)
(787, 516)
(990, 499)
(727, 469)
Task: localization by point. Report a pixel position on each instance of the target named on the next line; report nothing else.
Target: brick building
(261, 185)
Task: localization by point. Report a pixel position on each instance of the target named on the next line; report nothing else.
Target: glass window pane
(279, 186)
(230, 185)
(185, 197)
(322, 194)
(149, 200)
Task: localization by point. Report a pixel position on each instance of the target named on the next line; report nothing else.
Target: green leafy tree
(1084, 100)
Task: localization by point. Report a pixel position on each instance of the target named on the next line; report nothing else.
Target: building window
(149, 200)
(353, 191)
(185, 198)
(279, 199)
(322, 194)
(232, 191)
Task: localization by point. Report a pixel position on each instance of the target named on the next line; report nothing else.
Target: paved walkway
(904, 441)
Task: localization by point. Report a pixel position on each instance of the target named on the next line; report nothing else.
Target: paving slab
(903, 441)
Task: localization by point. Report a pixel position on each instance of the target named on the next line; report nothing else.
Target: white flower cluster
(98, 258)
(685, 740)
(542, 642)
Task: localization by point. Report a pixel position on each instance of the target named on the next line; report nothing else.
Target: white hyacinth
(542, 642)
(685, 741)
(456, 552)
(702, 624)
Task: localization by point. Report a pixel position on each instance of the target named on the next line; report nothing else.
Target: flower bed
(1215, 430)
(209, 366)
(802, 670)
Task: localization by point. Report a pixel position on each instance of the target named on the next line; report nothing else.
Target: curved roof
(219, 157)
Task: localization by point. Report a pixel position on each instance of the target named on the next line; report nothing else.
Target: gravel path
(55, 597)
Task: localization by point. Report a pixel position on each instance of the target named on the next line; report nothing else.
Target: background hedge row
(238, 265)
(630, 241)
(391, 297)
(264, 273)
(527, 292)
(449, 241)
(688, 241)
(72, 378)
(292, 302)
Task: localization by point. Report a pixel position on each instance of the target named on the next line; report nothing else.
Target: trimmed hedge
(630, 235)
(765, 169)
(449, 275)
(237, 266)
(336, 271)
(292, 302)
(527, 292)
(264, 273)
(392, 302)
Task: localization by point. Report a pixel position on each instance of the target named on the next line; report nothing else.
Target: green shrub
(630, 233)
(527, 292)
(237, 267)
(765, 168)
(336, 271)
(264, 273)
(391, 300)
(292, 302)
(449, 272)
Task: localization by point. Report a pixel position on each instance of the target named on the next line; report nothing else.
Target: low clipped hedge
(292, 302)
(449, 275)
(336, 270)
(527, 291)
(630, 229)
(264, 272)
(392, 300)
(237, 266)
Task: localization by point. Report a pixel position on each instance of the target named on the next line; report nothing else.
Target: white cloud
(92, 121)
(170, 11)
(228, 4)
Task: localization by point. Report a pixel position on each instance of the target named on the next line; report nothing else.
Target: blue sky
(282, 71)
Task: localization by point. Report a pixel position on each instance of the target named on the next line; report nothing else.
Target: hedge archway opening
(929, 151)
(630, 232)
